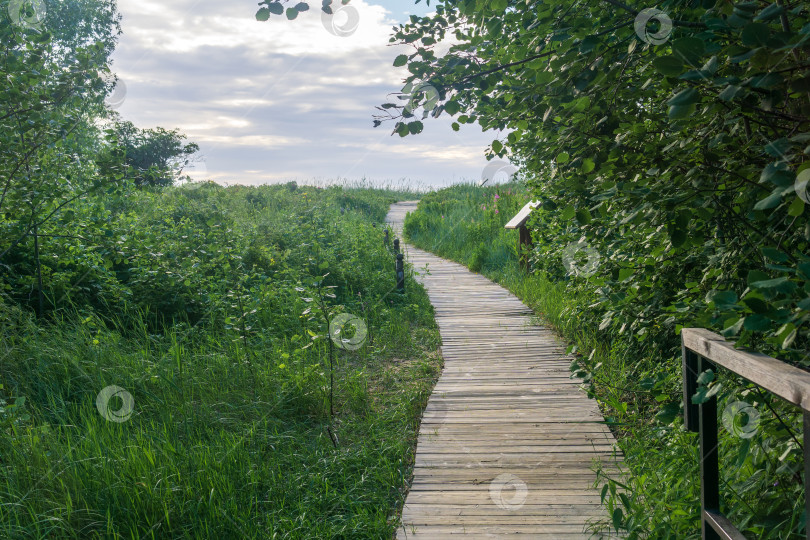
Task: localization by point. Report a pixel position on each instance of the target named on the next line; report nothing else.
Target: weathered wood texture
(507, 440)
(790, 383)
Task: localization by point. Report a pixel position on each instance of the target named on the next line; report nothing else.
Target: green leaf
(625, 273)
(706, 377)
(263, 14)
(766, 81)
(583, 216)
(617, 518)
(680, 112)
(677, 236)
(563, 157)
(291, 13)
(705, 393)
(401, 60)
(770, 283)
(722, 299)
(668, 65)
(778, 148)
(781, 285)
(730, 92)
(771, 201)
(588, 165)
(568, 212)
(544, 77)
(802, 182)
(755, 34)
(668, 413)
(778, 174)
(275, 8)
(588, 44)
(742, 452)
(775, 254)
(688, 49)
(796, 207)
(757, 322)
(684, 97)
(789, 338)
(771, 12)
(414, 128)
(757, 305)
(452, 107)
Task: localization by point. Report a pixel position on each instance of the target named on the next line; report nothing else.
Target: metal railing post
(709, 464)
(400, 273)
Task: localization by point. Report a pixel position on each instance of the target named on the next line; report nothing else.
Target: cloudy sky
(282, 100)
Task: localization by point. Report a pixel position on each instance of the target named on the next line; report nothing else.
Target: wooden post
(400, 271)
(386, 240)
(518, 222)
(691, 412)
(396, 245)
(524, 245)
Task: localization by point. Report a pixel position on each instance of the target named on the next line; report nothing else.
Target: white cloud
(257, 141)
(279, 100)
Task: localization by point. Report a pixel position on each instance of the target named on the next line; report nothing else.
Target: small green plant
(479, 257)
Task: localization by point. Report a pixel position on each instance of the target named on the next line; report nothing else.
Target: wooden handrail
(704, 350)
(788, 382)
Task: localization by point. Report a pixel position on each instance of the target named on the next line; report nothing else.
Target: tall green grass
(229, 373)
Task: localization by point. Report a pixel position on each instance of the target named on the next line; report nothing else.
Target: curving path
(507, 440)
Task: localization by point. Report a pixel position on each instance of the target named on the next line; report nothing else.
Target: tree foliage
(153, 157)
(291, 8)
(684, 163)
(54, 156)
(673, 142)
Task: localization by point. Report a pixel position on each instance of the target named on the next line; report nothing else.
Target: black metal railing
(704, 350)
(399, 263)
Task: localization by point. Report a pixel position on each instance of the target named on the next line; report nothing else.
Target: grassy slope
(228, 435)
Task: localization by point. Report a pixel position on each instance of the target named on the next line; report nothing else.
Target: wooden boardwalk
(507, 440)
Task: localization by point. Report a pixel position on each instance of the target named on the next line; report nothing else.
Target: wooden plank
(508, 441)
(788, 382)
(476, 532)
(522, 217)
